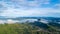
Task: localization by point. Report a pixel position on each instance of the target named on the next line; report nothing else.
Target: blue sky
(29, 8)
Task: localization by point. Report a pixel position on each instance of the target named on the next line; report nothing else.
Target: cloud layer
(24, 8)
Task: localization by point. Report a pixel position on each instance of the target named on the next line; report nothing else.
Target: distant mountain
(2, 18)
(21, 18)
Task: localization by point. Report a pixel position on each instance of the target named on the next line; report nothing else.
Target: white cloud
(30, 12)
(19, 8)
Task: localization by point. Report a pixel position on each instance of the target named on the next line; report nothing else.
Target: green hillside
(23, 28)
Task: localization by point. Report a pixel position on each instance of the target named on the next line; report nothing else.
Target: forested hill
(25, 28)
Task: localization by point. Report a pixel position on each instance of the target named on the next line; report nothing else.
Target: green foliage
(18, 29)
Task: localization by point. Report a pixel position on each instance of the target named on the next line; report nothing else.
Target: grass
(20, 29)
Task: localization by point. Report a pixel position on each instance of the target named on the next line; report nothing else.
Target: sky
(29, 8)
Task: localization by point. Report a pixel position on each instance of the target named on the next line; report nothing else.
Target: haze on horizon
(29, 8)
